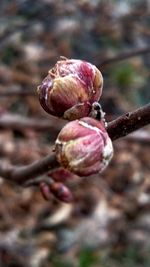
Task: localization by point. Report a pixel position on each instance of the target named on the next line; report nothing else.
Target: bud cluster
(72, 90)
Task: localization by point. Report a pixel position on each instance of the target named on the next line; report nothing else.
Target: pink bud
(70, 88)
(45, 191)
(58, 190)
(84, 147)
(61, 192)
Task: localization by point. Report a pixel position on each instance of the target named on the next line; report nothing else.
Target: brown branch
(118, 128)
(129, 122)
(125, 55)
(21, 175)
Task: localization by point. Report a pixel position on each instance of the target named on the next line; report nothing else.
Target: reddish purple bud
(61, 192)
(70, 88)
(45, 191)
(84, 147)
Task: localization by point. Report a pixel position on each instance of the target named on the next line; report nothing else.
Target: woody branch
(118, 128)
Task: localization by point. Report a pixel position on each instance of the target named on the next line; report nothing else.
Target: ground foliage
(108, 222)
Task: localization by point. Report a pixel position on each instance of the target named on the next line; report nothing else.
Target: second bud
(84, 147)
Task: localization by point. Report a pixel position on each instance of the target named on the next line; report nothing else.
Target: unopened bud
(84, 147)
(58, 190)
(61, 192)
(70, 89)
(45, 191)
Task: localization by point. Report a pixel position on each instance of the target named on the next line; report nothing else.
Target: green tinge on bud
(84, 147)
(70, 89)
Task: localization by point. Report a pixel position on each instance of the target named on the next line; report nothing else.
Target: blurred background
(108, 222)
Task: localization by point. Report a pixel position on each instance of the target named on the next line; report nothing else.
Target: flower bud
(58, 190)
(70, 88)
(61, 192)
(84, 147)
(45, 191)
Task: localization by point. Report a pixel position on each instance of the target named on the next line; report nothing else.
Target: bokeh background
(108, 222)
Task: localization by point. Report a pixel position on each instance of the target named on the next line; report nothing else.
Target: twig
(129, 122)
(118, 128)
(21, 175)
